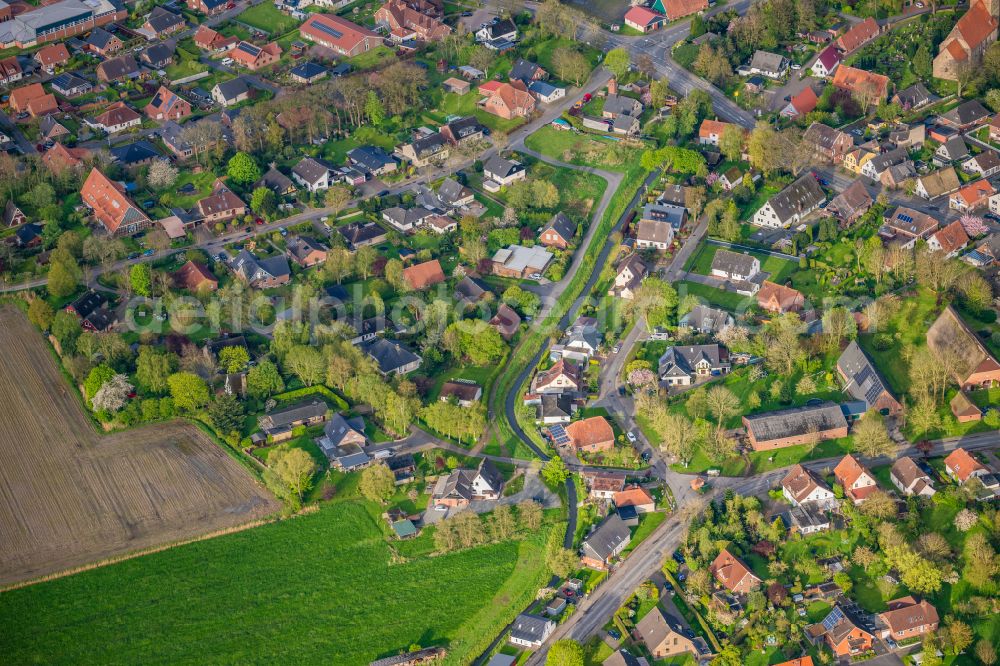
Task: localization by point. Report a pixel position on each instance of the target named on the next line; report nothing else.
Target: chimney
(613, 86)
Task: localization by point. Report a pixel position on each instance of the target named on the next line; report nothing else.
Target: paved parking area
(534, 488)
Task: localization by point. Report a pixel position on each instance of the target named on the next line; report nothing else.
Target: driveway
(534, 488)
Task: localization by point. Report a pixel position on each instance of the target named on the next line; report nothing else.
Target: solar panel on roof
(327, 29)
(833, 619)
(558, 434)
(863, 376)
(872, 393)
(905, 218)
(248, 48)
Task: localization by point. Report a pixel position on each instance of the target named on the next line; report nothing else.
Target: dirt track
(69, 496)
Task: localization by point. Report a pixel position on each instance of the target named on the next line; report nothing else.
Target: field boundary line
(156, 549)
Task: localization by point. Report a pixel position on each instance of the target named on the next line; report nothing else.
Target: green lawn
(267, 18)
(203, 187)
(320, 587)
(467, 105)
(647, 523)
(728, 300)
(184, 68)
(701, 262)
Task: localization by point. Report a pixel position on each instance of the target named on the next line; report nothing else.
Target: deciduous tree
(377, 483)
(295, 467)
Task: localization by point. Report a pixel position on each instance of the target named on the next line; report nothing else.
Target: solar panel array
(558, 434)
(248, 48)
(905, 218)
(833, 619)
(327, 29)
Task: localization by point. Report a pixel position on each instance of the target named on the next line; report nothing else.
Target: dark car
(678, 557)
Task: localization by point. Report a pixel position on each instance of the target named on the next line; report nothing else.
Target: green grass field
(701, 262)
(266, 17)
(727, 300)
(318, 588)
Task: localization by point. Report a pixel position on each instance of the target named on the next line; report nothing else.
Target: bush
(882, 342)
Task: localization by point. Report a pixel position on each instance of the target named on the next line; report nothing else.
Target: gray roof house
(531, 631)
(313, 174)
(526, 71)
(452, 193)
(863, 381)
(372, 160)
(558, 232)
(952, 150)
(787, 427)
(157, 56)
(768, 64)
(261, 273)
(735, 265)
(406, 219)
(681, 365)
(342, 442)
(606, 542)
(620, 105)
(555, 408)
(231, 92)
(791, 204)
(913, 97)
(966, 114)
(69, 84)
(279, 423)
(391, 357)
(503, 171)
(276, 181)
(705, 319)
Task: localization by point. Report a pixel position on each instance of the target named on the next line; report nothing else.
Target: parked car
(631, 436)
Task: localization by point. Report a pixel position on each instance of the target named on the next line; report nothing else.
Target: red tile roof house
(859, 35)
(802, 486)
(961, 466)
(635, 496)
(399, 19)
(842, 632)
(255, 57)
(858, 483)
(424, 275)
(591, 435)
(972, 196)
(221, 205)
(803, 103)
(732, 574)
(855, 80)
(167, 105)
(10, 71)
(195, 277)
(643, 19)
(949, 240)
(711, 131)
(508, 100)
(52, 56)
(118, 117)
(675, 9)
(779, 299)
(908, 618)
(111, 207)
(32, 99)
(563, 376)
(339, 35)
(210, 40)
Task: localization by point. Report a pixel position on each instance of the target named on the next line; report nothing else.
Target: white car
(631, 436)
(227, 61)
(796, 65)
(535, 276)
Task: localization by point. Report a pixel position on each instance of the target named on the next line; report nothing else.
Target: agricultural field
(72, 497)
(323, 587)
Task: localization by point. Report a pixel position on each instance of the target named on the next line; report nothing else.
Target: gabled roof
(976, 25)
(222, 200)
(253, 269)
(974, 193)
(233, 88)
(801, 482)
(767, 61)
(311, 169)
(108, 201)
(52, 54)
(642, 16)
(738, 263)
(157, 53)
(134, 153)
(525, 70)
(389, 355)
(116, 68)
(193, 275)
(632, 496)
(863, 380)
(730, 571)
(802, 195)
(907, 614)
(421, 276)
(501, 167)
(590, 431)
(805, 102)
(962, 464)
(906, 471)
(99, 38)
(829, 57)
(607, 538)
(958, 347)
(912, 223)
(943, 181)
(796, 421)
(785, 298)
(161, 19)
(332, 29)
(853, 201)
(851, 79)
(849, 470)
(859, 34)
(952, 237)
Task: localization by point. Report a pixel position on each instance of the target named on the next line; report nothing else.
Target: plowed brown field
(70, 496)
